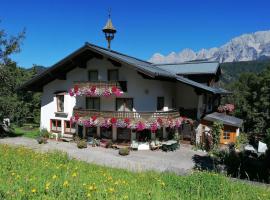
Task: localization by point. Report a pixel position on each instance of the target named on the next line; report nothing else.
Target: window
(56, 125)
(226, 135)
(69, 128)
(160, 103)
(93, 103)
(60, 102)
(124, 104)
(173, 103)
(93, 75)
(209, 103)
(113, 75)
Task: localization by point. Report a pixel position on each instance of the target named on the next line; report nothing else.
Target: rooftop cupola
(109, 31)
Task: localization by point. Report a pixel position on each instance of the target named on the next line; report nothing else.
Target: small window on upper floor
(113, 75)
(93, 103)
(160, 103)
(93, 75)
(60, 102)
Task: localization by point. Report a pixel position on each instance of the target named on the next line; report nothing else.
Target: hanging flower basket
(96, 91)
(135, 124)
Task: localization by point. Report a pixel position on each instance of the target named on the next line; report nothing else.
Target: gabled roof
(79, 57)
(192, 67)
(225, 119)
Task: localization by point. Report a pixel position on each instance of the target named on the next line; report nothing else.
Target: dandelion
(54, 177)
(33, 190)
(65, 184)
(74, 174)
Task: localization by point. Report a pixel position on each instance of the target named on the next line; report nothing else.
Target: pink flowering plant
(95, 91)
(228, 108)
(135, 124)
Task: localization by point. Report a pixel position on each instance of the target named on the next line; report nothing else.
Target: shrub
(42, 140)
(44, 133)
(267, 138)
(241, 140)
(216, 132)
(109, 144)
(124, 151)
(96, 142)
(81, 144)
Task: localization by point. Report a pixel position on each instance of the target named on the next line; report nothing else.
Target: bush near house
(55, 176)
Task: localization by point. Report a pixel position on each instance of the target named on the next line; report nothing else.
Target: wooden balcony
(102, 84)
(126, 114)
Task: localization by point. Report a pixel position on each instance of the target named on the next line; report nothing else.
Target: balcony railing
(102, 84)
(126, 114)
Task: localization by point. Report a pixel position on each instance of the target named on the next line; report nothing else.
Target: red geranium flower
(93, 88)
(76, 117)
(113, 120)
(114, 89)
(127, 120)
(94, 118)
(76, 88)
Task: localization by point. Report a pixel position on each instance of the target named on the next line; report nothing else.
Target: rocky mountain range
(254, 46)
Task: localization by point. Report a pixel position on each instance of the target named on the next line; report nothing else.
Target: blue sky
(55, 28)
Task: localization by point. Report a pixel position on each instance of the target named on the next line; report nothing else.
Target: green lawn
(25, 174)
(28, 130)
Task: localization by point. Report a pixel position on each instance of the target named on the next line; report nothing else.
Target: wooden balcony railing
(82, 84)
(102, 84)
(126, 114)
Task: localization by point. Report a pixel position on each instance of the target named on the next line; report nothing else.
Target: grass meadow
(26, 174)
(29, 131)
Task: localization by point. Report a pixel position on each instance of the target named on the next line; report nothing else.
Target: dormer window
(60, 102)
(113, 75)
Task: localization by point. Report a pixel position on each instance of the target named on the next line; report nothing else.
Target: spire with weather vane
(109, 30)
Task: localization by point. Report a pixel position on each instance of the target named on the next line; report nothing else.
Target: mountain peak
(245, 47)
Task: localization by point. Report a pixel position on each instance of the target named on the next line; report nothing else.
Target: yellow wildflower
(34, 190)
(88, 195)
(47, 186)
(54, 177)
(74, 174)
(111, 190)
(65, 184)
(91, 187)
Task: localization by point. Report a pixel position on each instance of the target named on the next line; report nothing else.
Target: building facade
(99, 92)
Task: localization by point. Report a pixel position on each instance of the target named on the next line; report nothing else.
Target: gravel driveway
(179, 161)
